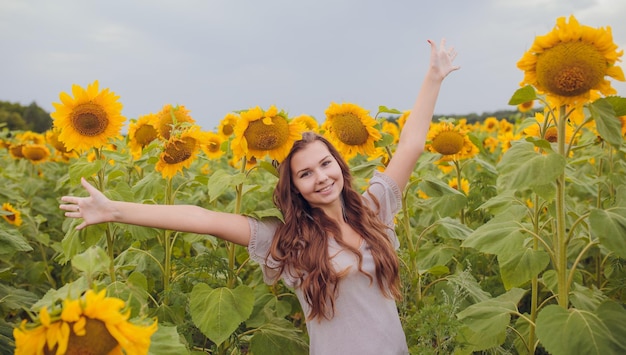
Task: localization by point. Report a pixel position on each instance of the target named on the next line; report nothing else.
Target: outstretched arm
(413, 135)
(97, 208)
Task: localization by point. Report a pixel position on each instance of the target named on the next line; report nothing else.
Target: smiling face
(317, 175)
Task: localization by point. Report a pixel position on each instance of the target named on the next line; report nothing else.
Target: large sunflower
(141, 133)
(450, 141)
(259, 133)
(88, 119)
(179, 151)
(351, 129)
(571, 62)
(94, 324)
(171, 117)
(36, 153)
(11, 215)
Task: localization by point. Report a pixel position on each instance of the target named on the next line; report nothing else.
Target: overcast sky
(214, 57)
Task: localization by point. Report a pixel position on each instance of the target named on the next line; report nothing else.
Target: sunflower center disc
(179, 151)
(350, 130)
(448, 142)
(570, 69)
(267, 137)
(89, 119)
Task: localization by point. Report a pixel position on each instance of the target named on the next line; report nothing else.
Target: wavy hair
(301, 242)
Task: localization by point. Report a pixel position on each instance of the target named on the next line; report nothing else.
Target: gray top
(365, 321)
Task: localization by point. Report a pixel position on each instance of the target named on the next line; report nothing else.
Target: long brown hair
(301, 243)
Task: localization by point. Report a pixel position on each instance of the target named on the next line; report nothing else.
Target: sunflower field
(513, 231)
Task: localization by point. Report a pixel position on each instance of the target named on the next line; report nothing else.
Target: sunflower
(571, 62)
(11, 215)
(391, 129)
(259, 133)
(402, 118)
(491, 124)
(450, 141)
(548, 132)
(212, 145)
(526, 106)
(15, 150)
(309, 122)
(226, 128)
(172, 117)
(94, 324)
(31, 137)
(88, 119)
(141, 133)
(179, 151)
(622, 120)
(465, 186)
(36, 153)
(52, 138)
(251, 162)
(351, 129)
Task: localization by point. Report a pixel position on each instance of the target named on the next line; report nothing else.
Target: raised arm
(413, 135)
(97, 208)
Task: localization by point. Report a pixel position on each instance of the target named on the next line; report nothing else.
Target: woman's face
(317, 175)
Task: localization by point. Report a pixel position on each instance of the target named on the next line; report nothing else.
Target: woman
(336, 248)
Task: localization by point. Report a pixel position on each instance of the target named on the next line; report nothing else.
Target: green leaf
(488, 320)
(443, 199)
(522, 95)
(586, 298)
(166, 341)
(608, 125)
(15, 299)
(218, 312)
(573, 331)
(222, 180)
(92, 262)
(610, 227)
(500, 235)
(385, 109)
(519, 267)
(278, 334)
(269, 167)
(613, 316)
(11, 241)
(75, 241)
(452, 228)
(618, 103)
(84, 168)
(364, 170)
(522, 167)
(430, 255)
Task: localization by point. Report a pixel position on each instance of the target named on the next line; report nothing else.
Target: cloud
(217, 56)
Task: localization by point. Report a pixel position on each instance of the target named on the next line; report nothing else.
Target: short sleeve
(261, 236)
(389, 198)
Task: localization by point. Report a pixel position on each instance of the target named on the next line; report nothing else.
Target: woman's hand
(93, 209)
(441, 59)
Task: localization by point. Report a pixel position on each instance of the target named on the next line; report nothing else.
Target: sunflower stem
(232, 246)
(534, 298)
(561, 237)
(412, 249)
(458, 186)
(108, 232)
(167, 245)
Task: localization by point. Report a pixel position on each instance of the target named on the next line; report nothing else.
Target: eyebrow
(307, 168)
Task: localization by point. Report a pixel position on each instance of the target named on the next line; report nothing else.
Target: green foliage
(24, 118)
(480, 268)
